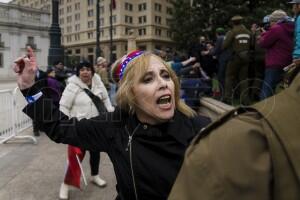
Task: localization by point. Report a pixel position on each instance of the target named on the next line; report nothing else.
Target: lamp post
(97, 30)
(56, 52)
(111, 33)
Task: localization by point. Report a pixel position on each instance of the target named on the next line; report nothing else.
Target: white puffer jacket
(76, 103)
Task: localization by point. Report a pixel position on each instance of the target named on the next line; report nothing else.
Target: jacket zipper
(129, 146)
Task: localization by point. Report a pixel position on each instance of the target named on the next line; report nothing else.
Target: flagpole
(111, 29)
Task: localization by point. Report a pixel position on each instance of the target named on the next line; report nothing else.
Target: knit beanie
(84, 64)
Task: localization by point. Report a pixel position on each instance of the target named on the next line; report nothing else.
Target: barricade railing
(12, 120)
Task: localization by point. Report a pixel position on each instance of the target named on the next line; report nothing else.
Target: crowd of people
(160, 147)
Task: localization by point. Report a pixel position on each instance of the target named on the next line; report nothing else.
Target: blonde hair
(134, 71)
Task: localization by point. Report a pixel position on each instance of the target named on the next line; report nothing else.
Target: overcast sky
(4, 1)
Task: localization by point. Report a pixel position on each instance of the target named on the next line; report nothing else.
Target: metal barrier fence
(12, 120)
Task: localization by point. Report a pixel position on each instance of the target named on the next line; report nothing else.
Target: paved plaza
(35, 172)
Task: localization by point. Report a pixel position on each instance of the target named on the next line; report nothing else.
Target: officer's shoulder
(246, 114)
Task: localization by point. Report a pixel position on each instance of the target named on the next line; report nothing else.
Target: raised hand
(26, 68)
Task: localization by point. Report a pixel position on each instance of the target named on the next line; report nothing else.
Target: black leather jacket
(146, 158)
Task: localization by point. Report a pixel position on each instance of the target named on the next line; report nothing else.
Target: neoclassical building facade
(19, 27)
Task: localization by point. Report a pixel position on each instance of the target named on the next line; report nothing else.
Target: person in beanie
(75, 102)
(145, 137)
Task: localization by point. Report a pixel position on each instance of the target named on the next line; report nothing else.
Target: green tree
(203, 17)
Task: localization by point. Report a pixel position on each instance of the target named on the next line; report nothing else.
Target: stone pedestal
(131, 45)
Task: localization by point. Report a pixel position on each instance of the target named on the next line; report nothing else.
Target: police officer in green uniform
(238, 41)
(250, 153)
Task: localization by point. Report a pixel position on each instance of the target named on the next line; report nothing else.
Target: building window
(90, 24)
(90, 2)
(77, 51)
(90, 13)
(158, 47)
(158, 19)
(61, 2)
(77, 27)
(114, 19)
(101, 33)
(90, 35)
(142, 19)
(169, 11)
(77, 6)
(61, 11)
(101, 21)
(1, 60)
(69, 29)
(69, 1)
(62, 30)
(158, 32)
(142, 31)
(77, 17)
(142, 47)
(69, 19)
(91, 58)
(127, 29)
(69, 9)
(77, 37)
(1, 42)
(90, 50)
(142, 6)
(69, 38)
(61, 21)
(114, 32)
(169, 34)
(168, 21)
(157, 7)
(128, 19)
(128, 6)
(101, 9)
(30, 40)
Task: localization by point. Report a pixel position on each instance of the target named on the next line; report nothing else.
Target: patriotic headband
(122, 66)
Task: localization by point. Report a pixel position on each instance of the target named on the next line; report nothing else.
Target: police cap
(294, 1)
(237, 18)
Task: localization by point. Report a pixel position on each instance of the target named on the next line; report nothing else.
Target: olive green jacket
(248, 154)
(237, 39)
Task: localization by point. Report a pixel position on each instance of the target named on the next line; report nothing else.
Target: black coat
(157, 151)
